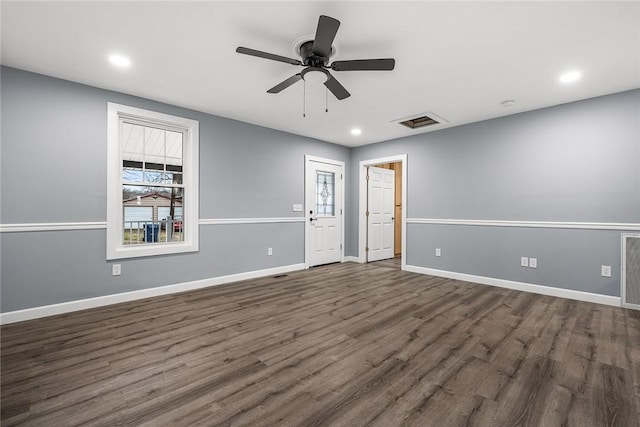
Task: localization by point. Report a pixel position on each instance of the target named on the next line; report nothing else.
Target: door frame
(362, 209)
(309, 158)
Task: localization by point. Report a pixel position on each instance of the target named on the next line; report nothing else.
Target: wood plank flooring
(339, 345)
(392, 263)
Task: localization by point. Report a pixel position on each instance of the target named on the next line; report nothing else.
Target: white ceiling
(457, 60)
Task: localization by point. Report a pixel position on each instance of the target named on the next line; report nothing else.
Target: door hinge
(340, 246)
(367, 177)
(366, 249)
(340, 211)
(367, 214)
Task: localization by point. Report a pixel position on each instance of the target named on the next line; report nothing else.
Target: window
(325, 205)
(152, 199)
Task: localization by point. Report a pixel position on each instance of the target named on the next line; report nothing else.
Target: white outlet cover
(533, 262)
(438, 252)
(269, 251)
(297, 207)
(524, 261)
(116, 269)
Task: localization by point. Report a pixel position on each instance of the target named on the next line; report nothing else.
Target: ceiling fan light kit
(315, 56)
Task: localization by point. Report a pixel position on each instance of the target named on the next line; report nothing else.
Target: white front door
(323, 212)
(380, 228)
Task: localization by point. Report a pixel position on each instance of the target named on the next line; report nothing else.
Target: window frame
(190, 179)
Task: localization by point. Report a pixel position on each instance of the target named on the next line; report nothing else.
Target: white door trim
(362, 210)
(308, 158)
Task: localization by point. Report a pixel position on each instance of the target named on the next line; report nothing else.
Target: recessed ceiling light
(508, 103)
(356, 131)
(570, 76)
(119, 60)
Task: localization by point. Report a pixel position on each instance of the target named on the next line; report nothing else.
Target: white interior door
(381, 205)
(323, 206)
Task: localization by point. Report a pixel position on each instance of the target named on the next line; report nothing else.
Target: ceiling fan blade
(325, 33)
(336, 88)
(266, 55)
(285, 84)
(386, 64)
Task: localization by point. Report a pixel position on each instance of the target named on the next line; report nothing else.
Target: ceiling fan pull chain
(304, 98)
(326, 100)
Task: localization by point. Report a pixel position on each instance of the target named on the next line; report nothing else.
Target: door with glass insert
(323, 206)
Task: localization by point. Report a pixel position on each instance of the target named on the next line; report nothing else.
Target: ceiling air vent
(419, 122)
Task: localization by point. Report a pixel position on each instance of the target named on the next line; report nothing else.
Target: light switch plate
(438, 252)
(605, 270)
(524, 261)
(533, 262)
(297, 207)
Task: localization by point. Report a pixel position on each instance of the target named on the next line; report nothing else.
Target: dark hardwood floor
(391, 263)
(338, 345)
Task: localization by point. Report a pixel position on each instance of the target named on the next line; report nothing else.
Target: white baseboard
(71, 306)
(68, 307)
(520, 286)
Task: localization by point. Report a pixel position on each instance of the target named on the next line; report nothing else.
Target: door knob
(312, 219)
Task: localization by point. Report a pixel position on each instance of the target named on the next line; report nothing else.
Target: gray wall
(53, 169)
(577, 162)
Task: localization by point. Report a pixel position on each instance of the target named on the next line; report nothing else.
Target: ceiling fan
(315, 58)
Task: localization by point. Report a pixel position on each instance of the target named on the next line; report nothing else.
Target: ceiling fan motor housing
(309, 58)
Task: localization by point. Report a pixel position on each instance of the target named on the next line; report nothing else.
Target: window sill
(138, 251)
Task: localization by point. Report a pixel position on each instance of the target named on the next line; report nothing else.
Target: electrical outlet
(533, 262)
(269, 251)
(438, 252)
(116, 269)
(524, 261)
(605, 270)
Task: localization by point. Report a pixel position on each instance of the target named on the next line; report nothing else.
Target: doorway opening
(382, 211)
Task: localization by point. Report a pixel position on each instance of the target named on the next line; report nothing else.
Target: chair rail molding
(528, 224)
